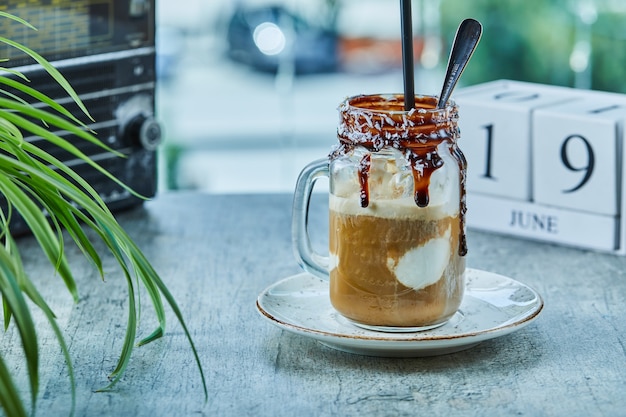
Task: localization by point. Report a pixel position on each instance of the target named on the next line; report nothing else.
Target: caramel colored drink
(395, 271)
(397, 214)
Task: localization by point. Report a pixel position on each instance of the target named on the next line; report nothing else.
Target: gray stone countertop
(216, 253)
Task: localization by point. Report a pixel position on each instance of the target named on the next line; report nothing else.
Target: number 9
(588, 168)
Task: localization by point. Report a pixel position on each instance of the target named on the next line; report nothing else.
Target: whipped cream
(424, 265)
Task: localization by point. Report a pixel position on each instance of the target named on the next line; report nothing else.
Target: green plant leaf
(108, 227)
(39, 97)
(12, 295)
(17, 19)
(39, 226)
(9, 397)
(14, 72)
(51, 70)
(30, 290)
(50, 119)
(52, 198)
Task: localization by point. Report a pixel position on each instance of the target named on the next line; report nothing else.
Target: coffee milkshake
(397, 214)
(393, 263)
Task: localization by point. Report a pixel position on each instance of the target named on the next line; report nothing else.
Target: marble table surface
(217, 253)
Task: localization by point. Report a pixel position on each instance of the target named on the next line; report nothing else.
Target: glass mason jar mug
(396, 213)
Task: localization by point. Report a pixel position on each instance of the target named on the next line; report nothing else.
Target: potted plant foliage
(55, 203)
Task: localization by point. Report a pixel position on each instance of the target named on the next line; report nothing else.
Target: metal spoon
(465, 41)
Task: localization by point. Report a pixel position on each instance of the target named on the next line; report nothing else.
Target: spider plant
(33, 183)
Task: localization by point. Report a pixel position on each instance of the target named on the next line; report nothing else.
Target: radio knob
(145, 131)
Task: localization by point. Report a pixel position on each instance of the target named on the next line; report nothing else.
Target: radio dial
(137, 124)
(145, 131)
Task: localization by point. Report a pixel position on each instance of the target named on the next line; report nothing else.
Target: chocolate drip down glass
(396, 212)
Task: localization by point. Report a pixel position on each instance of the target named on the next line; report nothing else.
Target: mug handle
(306, 256)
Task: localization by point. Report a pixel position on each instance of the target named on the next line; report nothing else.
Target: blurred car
(265, 37)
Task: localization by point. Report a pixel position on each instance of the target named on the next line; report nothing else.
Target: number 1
(489, 146)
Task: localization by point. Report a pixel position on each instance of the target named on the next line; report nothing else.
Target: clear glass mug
(396, 212)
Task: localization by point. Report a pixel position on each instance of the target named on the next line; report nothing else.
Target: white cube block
(495, 123)
(577, 154)
(546, 223)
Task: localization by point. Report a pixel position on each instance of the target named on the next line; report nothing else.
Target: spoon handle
(467, 36)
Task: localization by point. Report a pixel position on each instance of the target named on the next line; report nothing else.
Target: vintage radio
(106, 50)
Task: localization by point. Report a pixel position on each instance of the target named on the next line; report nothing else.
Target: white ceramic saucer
(493, 306)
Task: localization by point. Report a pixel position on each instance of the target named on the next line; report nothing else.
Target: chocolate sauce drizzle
(423, 165)
(375, 122)
(458, 155)
(364, 176)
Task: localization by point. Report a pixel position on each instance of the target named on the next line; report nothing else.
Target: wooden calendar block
(577, 154)
(495, 123)
(546, 163)
(545, 223)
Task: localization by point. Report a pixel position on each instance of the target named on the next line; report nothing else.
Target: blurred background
(248, 89)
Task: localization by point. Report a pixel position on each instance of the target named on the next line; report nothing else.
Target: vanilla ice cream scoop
(424, 265)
